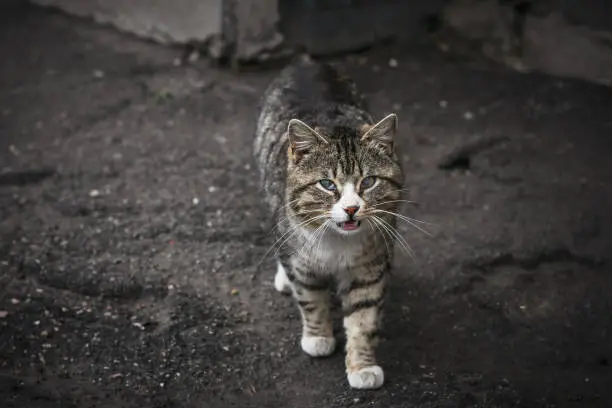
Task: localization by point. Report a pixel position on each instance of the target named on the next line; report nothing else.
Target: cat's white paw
(281, 282)
(367, 378)
(317, 346)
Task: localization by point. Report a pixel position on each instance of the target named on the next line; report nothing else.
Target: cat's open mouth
(349, 225)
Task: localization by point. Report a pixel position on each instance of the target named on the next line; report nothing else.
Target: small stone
(3, 314)
(44, 333)
(212, 189)
(15, 301)
(443, 103)
(468, 115)
(94, 193)
(393, 63)
(194, 56)
(195, 201)
(234, 292)
(98, 73)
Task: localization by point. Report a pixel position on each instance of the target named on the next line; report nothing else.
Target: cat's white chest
(339, 254)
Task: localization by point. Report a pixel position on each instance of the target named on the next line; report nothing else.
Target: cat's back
(304, 89)
(308, 85)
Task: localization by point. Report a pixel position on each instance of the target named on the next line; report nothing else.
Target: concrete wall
(166, 21)
(253, 27)
(249, 29)
(595, 14)
(330, 26)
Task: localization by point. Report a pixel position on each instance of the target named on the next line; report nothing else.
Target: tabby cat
(332, 181)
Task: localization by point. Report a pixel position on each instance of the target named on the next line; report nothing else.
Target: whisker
(320, 237)
(371, 223)
(394, 201)
(386, 231)
(399, 236)
(407, 220)
(312, 241)
(286, 205)
(410, 219)
(288, 235)
(296, 229)
(283, 219)
(393, 232)
(403, 189)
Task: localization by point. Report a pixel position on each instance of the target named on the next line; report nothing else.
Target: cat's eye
(328, 184)
(367, 182)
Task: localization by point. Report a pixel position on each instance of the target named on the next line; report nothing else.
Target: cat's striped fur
(331, 180)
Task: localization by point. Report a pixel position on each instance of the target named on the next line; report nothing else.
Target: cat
(331, 180)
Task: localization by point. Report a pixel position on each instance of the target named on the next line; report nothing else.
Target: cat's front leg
(313, 298)
(362, 301)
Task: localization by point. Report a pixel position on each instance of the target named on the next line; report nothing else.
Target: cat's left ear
(302, 138)
(382, 134)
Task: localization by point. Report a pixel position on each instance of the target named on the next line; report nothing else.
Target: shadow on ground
(130, 229)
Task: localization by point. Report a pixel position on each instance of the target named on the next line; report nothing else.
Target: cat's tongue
(350, 225)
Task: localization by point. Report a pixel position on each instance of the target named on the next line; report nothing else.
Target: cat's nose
(351, 210)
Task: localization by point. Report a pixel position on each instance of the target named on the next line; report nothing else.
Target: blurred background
(131, 239)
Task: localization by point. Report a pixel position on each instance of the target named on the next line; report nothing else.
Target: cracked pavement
(130, 229)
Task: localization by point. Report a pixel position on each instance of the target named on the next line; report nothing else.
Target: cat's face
(344, 179)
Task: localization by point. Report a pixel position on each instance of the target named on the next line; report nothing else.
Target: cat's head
(343, 178)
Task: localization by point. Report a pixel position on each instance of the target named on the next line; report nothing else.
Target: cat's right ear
(302, 138)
